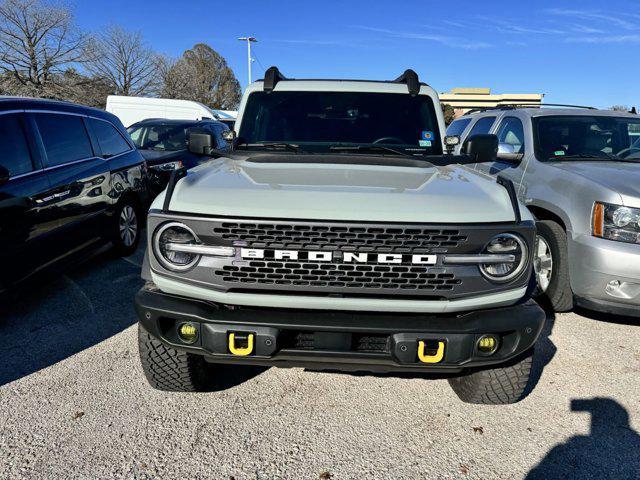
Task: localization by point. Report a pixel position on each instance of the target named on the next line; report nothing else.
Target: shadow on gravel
(57, 316)
(545, 351)
(609, 451)
(222, 377)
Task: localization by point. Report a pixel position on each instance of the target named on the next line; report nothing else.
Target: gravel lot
(74, 404)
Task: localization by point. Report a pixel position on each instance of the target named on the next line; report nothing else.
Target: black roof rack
(271, 77)
(410, 78)
(526, 105)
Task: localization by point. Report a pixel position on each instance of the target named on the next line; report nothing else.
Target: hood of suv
(326, 191)
(619, 177)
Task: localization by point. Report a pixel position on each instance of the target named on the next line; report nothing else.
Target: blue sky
(575, 52)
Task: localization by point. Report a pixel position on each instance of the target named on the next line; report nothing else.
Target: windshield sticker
(559, 153)
(427, 135)
(425, 143)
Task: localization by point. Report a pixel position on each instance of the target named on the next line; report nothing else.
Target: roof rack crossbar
(271, 77)
(411, 80)
(511, 106)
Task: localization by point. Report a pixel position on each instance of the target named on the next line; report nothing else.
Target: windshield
(323, 121)
(587, 137)
(163, 137)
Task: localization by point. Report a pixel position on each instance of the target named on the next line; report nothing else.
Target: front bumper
(594, 264)
(340, 340)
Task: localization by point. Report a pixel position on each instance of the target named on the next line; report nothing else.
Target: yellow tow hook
(435, 358)
(241, 351)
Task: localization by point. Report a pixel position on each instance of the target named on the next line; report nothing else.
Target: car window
(587, 136)
(110, 140)
(458, 126)
(511, 132)
(65, 138)
(14, 151)
(161, 136)
(482, 126)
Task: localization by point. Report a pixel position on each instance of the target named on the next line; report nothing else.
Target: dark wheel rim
(128, 225)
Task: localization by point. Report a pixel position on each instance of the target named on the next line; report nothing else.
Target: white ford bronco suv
(340, 233)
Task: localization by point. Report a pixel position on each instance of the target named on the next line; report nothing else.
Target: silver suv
(578, 172)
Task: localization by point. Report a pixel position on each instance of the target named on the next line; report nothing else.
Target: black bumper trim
(518, 327)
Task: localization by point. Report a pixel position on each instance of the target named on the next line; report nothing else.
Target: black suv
(69, 177)
(164, 145)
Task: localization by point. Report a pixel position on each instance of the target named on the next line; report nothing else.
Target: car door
(124, 162)
(25, 216)
(78, 178)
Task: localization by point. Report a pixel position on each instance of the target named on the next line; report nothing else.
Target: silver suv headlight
(505, 244)
(167, 243)
(616, 222)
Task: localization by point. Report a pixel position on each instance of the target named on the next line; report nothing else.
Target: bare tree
(38, 41)
(619, 108)
(123, 59)
(201, 74)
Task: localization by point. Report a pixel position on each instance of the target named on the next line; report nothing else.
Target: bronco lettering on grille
(347, 257)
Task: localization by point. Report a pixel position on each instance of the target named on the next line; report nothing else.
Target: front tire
(497, 386)
(127, 227)
(552, 266)
(168, 369)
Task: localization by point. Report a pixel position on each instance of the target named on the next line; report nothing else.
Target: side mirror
(4, 175)
(201, 142)
(507, 152)
(484, 148)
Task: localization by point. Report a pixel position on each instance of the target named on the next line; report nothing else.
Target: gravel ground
(74, 404)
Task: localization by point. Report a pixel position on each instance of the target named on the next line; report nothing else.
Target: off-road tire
(169, 369)
(497, 386)
(558, 295)
(120, 246)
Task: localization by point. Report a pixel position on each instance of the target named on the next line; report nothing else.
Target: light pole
(249, 40)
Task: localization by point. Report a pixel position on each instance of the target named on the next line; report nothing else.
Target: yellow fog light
(188, 332)
(488, 344)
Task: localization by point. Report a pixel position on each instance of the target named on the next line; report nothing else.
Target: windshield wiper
(589, 156)
(281, 145)
(369, 148)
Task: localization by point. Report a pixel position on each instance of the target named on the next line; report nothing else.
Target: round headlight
(510, 245)
(169, 236)
(622, 217)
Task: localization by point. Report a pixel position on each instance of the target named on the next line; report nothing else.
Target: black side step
(511, 190)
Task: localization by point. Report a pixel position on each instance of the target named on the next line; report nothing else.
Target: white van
(134, 109)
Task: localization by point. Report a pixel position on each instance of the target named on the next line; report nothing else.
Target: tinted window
(319, 122)
(110, 140)
(482, 126)
(161, 136)
(607, 137)
(14, 152)
(511, 132)
(458, 126)
(65, 138)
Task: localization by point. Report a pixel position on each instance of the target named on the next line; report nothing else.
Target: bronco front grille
(332, 237)
(333, 275)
